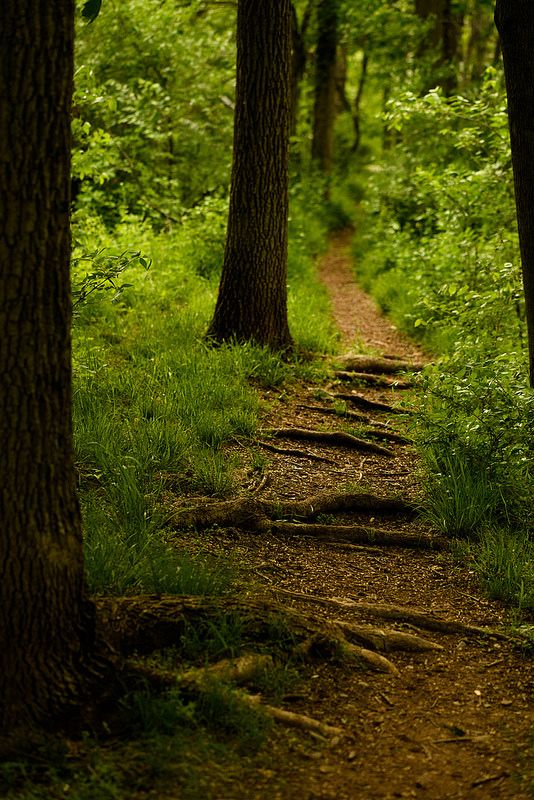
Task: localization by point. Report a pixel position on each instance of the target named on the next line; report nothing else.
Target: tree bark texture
(515, 22)
(46, 627)
(324, 112)
(252, 301)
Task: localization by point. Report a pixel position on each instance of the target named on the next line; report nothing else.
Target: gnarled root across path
(417, 685)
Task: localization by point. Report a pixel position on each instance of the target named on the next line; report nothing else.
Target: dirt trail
(456, 723)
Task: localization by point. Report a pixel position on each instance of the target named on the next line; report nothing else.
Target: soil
(457, 723)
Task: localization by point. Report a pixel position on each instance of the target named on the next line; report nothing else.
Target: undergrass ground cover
(154, 404)
(437, 246)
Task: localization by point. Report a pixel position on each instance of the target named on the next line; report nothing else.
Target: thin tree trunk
(46, 626)
(356, 117)
(252, 301)
(325, 85)
(515, 22)
(298, 59)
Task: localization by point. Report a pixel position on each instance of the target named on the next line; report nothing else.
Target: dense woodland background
(416, 157)
(398, 129)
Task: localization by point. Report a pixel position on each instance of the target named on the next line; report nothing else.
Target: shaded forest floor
(456, 722)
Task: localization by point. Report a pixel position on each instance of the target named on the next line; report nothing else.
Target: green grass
(459, 494)
(172, 742)
(154, 406)
(504, 561)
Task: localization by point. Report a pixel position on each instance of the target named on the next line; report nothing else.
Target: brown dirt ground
(455, 724)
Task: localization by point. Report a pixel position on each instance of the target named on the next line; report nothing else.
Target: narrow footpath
(451, 721)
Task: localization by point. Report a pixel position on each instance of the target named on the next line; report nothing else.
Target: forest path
(454, 723)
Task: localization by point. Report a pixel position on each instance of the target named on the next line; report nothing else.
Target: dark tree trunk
(324, 112)
(443, 38)
(453, 22)
(252, 301)
(46, 626)
(515, 22)
(298, 60)
(433, 11)
(354, 111)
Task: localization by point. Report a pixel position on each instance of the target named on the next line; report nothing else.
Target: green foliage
(473, 434)
(438, 245)
(146, 110)
(504, 560)
(438, 248)
(221, 709)
(118, 563)
(167, 743)
(220, 637)
(277, 681)
(105, 269)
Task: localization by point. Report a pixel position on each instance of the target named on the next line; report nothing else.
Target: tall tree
(298, 57)
(445, 20)
(324, 112)
(252, 300)
(515, 22)
(47, 630)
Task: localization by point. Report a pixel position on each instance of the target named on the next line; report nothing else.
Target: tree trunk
(432, 11)
(480, 44)
(453, 23)
(46, 626)
(252, 301)
(443, 37)
(515, 22)
(356, 117)
(298, 60)
(325, 84)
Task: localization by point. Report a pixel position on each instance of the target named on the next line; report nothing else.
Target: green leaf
(91, 10)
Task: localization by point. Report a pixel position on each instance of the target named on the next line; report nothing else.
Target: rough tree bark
(324, 112)
(47, 627)
(252, 301)
(515, 22)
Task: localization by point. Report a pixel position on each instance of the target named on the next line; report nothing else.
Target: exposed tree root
(147, 623)
(345, 414)
(331, 437)
(389, 436)
(239, 671)
(328, 503)
(256, 515)
(424, 620)
(385, 435)
(386, 641)
(287, 451)
(319, 644)
(368, 405)
(300, 721)
(153, 622)
(373, 380)
(410, 616)
(386, 366)
(361, 534)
